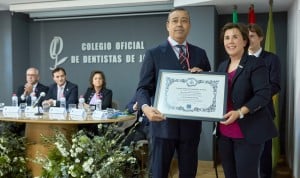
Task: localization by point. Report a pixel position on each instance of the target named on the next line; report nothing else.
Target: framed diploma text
(195, 96)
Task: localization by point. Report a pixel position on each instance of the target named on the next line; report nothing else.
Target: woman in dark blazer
(98, 89)
(248, 122)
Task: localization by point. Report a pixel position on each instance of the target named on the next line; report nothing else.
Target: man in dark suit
(168, 134)
(272, 62)
(31, 87)
(61, 88)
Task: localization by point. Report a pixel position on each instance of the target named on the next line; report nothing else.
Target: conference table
(43, 125)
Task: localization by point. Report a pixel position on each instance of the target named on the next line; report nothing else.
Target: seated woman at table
(97, 90)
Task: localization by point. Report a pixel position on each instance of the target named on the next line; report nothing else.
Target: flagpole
(270, 45)
(234, 14)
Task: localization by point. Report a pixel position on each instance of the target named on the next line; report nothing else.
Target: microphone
(42, 94)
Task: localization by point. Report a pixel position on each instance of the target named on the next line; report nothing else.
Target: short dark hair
(93, 73)
(241, 27)
(179, 9)
(257, 29)
(57, 69)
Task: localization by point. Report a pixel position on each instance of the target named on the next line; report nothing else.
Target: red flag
(251, 15)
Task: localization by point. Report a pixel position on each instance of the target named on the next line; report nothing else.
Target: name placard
(77, 114)
(56, 110)
(97, 115)
(11, 111)
(31, 110)
(57, 113)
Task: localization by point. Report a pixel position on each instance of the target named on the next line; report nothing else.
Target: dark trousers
(163, 151)
(266, 160)
(239, 158)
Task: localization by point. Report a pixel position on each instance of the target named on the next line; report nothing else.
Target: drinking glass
(91, 109)
(23, 106)
(46, 107)
(71, 106)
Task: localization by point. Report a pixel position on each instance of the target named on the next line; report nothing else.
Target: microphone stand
(37, 104)
(39, 112)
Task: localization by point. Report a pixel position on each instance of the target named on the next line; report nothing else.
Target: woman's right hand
(230, 117)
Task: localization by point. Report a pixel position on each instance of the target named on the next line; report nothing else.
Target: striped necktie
(182, 57)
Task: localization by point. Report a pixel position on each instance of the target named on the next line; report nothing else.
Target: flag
(234, 15)
(251, 15)
(270, 45)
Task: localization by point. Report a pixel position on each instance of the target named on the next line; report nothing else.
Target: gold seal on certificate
(196, 96)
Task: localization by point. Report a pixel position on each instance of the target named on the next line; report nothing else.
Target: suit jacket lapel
(167, 49)
(240, 68)
(169, 53)
(66, 89)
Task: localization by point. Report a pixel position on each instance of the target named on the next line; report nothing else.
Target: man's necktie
(60, 93)
(182, 57)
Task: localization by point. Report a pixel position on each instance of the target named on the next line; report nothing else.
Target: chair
(114, 104)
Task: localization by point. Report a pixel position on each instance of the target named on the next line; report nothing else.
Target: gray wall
(6, 61)
(14, 53)
(20, 48)
(122, 76)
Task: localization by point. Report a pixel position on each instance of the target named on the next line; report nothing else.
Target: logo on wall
(55, 50)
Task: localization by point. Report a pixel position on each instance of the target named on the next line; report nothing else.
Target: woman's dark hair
(241, 27)
(93, 73)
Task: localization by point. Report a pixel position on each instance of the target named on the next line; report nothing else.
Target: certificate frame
(192, 96)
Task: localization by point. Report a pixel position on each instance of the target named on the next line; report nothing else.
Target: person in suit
(61, 88)
(141, 130)
(170, 135)
(32, 87)
(97, 89)
(272, 62)
(248, 122)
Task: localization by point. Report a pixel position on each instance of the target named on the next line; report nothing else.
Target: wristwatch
(241, 114)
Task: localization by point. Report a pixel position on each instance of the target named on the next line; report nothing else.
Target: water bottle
(98, 104)
(62, 102)
(33, 99)
(81, 102)
(14, 100)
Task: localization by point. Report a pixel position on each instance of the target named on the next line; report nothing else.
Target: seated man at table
(61, 88)
(32, 87)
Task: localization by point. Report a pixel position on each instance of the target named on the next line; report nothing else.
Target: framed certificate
(195, 96)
